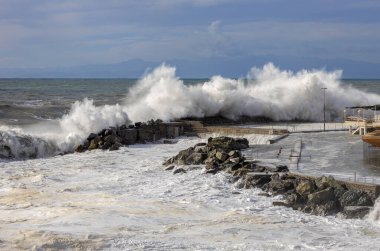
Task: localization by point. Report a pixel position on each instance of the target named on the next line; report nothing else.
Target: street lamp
(324, 108)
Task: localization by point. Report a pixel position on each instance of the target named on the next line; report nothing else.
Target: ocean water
(125, 200)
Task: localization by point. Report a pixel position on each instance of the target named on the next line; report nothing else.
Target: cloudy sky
(292, 33)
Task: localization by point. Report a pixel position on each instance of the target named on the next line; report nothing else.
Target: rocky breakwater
(114, 137)
(314, 195)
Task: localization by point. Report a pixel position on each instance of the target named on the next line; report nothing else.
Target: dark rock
(277, 186)
(327, 208)
(108, 132)
(169, 168)
(213, 171)
(322, 196)
(200, 149)
(111, 139)
(101, 133)
(227, 143)
(257, 168)
(181, 157)
(91, 136)
(261, 181)
(264, 194)
(339, 192)
(212, 165)
(200, 144)
(94, 143)
(232, 166)
(115, 147)
(295, 200)
(167, 141)
(365, 200)
(80, 149)
(179, 170)
(196, 158)
(282, 168)
(305, 187)
(325, 182)
(104, 145)
(169, 161)
(355, 212)
(355, 198)
(280, 203)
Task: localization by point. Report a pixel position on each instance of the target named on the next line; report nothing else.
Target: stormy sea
(52, 198)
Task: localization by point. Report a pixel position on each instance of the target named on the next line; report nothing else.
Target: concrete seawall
(243, 131)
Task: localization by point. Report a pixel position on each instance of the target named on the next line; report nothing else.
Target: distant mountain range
(236, 67)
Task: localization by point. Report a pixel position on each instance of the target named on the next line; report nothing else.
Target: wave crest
(267, 91)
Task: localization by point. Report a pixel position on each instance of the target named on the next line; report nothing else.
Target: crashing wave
(268, 92)
(15, 145)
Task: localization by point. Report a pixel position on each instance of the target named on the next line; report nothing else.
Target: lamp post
(324, 108)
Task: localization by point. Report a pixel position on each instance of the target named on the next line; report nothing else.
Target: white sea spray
(267, 91)
(49, 138)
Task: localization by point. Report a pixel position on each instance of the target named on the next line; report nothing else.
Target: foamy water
(124, 200)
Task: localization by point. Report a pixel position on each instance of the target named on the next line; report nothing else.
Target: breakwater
(310, 194)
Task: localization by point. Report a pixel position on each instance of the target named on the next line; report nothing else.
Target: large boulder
(355, 198)
(325, 182)
(200, 149)
(196, 158)
(322, 196)
(228, 144)
(94, 143)
(327, 208)
(353, 212)
(305, 187)
(278, 185)
(221, 155)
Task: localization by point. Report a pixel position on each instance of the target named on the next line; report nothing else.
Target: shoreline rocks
(314, 195)
(114, 137)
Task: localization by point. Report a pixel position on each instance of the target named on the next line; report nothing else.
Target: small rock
(213, 171)
(169, 168)
(280, 203)
(179, 170)
(282, 168)
(167, 141)
(264, 194)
